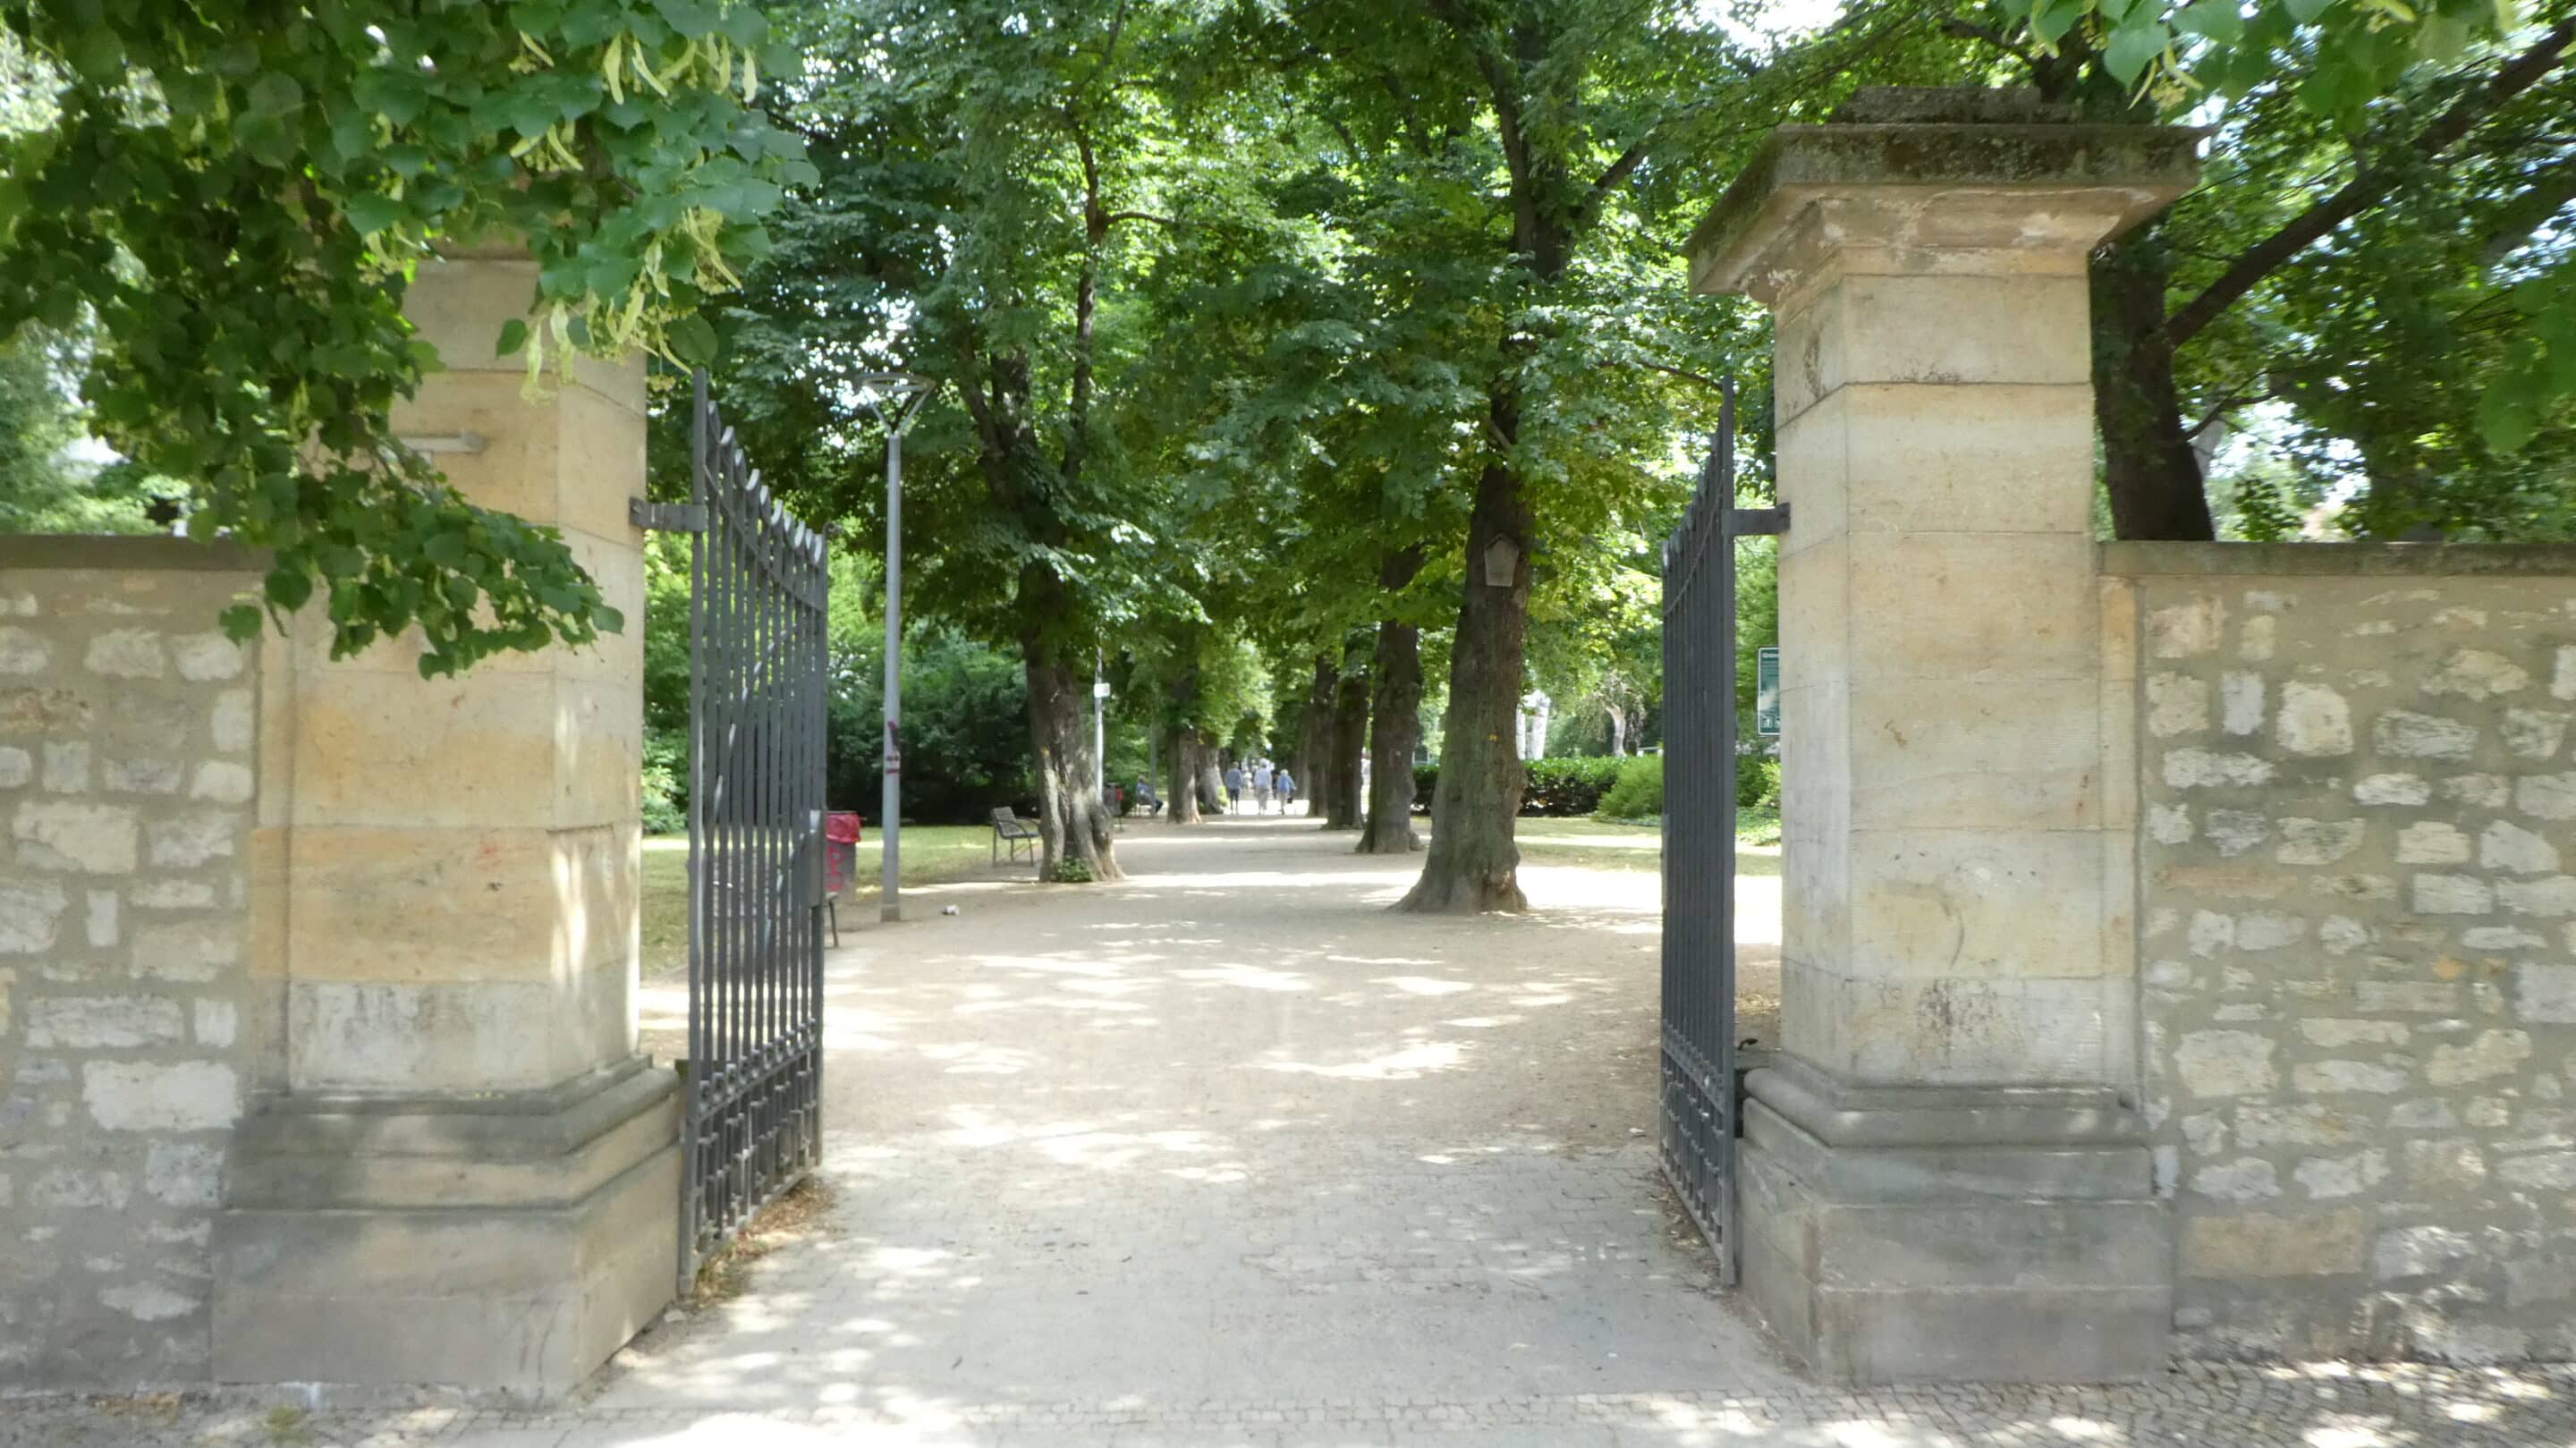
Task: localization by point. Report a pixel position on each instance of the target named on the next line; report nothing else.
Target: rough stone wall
(2357, 942)
(127, 734)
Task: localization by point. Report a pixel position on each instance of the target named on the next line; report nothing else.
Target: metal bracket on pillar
(666, 517)
(1757, 522)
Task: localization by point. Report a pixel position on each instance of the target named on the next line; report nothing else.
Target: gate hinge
(1759, 522)
(666, 517)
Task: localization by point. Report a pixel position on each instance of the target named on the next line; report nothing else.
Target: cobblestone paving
(1229, 1156)
(2196, 1406)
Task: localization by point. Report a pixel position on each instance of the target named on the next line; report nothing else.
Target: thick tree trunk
(1073, 820)
(1395, 722)
(1315, 737)
(1184, 791)
(2148, 465)
(1212, 776)
(1473, 864)
(1395, 730)
(1618, 732)
(1343, 806)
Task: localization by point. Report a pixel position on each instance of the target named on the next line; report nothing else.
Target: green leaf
(2306, 11)
(689, 17)
(514, 335)
(2051, 19)
(2442, 38)
(2218, 19)
(2506, 419)
(371, 212)
(2129, 50)
(2114, 11)
(274, 94)
(97, 55)
(288, 587)
(693, 341)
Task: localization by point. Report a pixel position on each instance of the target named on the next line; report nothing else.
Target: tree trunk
(1395, 722)
(1350, 719)
(1212, 775)
(1073, 821)
(1473, 864)
(2148, 465)
(1618, 732)
(1184, 796)
(1315, 737)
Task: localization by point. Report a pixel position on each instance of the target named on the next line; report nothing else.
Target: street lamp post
(894, 397)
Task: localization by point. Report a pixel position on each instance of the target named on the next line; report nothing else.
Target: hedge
(1554, 788)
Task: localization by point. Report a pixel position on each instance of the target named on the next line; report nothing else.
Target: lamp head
(895, 396)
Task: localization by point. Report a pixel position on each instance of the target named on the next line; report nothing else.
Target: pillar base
(1913, 1234)
(502, 1245)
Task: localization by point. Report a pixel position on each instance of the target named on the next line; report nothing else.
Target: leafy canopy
(234, 195)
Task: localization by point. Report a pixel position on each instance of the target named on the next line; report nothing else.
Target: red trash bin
(841, 833)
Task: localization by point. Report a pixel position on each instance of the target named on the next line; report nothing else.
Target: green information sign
(1766, 692)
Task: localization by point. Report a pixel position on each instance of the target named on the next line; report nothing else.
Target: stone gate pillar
(1945, 1176)
(457, 1171)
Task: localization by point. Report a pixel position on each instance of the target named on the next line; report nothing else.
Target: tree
(1558, 148)
(2376, 256)
(233, 197)
(43, 488)
(991, 214)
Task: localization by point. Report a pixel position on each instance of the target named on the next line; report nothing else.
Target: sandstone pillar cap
(1911, 181)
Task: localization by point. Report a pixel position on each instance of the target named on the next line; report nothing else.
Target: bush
(666, 780)
(1638, 792)
(1551, 787)
(965, 732)
(1559, 788)
(1757, 782)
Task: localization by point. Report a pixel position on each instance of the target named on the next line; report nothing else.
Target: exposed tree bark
(1473, 863)
(1212, 776)
(1618, 731)
(2148, 465)
(1395, 721)
(1073, 820)
(1315, 736)
(1350, 715)
(1183, 805)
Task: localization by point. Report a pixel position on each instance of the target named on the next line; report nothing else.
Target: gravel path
(1228, 1154)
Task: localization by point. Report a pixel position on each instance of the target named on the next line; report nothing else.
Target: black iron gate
(757, 666)
(1699, 1104)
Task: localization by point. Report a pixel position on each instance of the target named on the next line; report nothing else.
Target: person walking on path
(1285, 786)
(1261, 786)
(1233, 787)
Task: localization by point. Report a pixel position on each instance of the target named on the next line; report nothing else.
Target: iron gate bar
(759, 587)
(1698, 1113)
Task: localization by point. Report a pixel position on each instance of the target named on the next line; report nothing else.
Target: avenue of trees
(1309, 368)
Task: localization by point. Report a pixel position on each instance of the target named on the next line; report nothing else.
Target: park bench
(1011, 830)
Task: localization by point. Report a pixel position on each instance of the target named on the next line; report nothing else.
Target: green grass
(1555, 842)
(931, 853)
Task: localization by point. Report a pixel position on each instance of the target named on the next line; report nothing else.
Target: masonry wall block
(2356, 895)
(129, 1024)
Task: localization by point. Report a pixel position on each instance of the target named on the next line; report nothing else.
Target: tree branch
(1112, 218)
(2530, 211)
(2367, 187)
(1970, 30)
(1685, 374)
